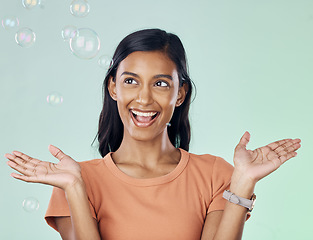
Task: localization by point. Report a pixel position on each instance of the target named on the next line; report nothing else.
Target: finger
(56, 152)
(26, 165)
(289, 146)
(22, 155)
(276, 144)
(14, 159)
(24, 158)
(20, 168)
(10, 157)
(287, 156)
(282, 149)
(23, 177)
(294, 147)
(290, 149)
(29, 163)
(244, 140)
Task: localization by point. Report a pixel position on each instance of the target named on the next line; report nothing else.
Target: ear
(112, 88)
(182, 92)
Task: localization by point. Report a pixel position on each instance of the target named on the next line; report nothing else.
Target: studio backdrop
(251, 62)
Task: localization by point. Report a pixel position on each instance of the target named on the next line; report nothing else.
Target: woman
(148, 186)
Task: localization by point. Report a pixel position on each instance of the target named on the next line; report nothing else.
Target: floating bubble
(54, 99)
(25, 37)
(10, 22)
(42, 4)
(68, 32)
(104, 61)
(85, 44)
(29, 4)
(30, 204)
(79, 8)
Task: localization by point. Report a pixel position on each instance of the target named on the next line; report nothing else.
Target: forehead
(154, 62)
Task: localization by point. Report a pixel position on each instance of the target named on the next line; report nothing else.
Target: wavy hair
(110, 130)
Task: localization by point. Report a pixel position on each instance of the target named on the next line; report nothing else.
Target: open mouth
(143, 119)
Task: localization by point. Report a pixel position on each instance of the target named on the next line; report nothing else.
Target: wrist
(242, 185)
(74, 185)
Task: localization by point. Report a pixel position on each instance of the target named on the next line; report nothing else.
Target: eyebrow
(156, 76)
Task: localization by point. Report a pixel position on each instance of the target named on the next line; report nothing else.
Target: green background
(250, 60)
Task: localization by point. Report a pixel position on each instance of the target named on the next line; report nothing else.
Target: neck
(147, 153)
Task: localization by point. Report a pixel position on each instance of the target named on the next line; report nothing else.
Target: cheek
(169, 99)
(123, 96)
(122, 104)
(167, 104)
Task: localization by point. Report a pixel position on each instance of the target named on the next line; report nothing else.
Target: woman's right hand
(64, 174)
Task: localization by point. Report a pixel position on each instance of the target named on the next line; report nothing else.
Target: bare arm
(67, 176)
(69, 227)
(65, 228)
(211, 224)
(250, 167)
(228, 224)
(84, 226)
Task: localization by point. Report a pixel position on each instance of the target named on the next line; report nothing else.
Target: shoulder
(208, 167)
(211, 161)
(93, 163)
(93, 168)
(90, 169)
(90, 163)
(94, 173)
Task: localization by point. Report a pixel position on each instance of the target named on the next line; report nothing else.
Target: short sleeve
(58, 207)
(221, 176)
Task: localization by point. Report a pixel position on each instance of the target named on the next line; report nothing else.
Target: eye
(130, 81)
(162, 84)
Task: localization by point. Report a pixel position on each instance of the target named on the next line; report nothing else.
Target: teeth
(144, 114)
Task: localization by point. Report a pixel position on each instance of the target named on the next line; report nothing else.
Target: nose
(145, 96)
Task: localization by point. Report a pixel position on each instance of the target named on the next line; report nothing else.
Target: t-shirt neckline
(144, 182)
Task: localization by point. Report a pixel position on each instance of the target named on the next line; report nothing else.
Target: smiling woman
(160, 48)
(147, 185)
(147, 90)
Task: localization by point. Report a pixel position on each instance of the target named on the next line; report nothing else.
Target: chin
(146, 136)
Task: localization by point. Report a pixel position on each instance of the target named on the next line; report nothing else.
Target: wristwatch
(247, 203)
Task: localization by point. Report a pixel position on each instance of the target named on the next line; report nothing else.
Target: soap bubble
(25, 37)
(29, 4)
(54, 99)
(85, 44)
(79, 8)
(42, 4)
(68, 32)
(30, 204)
(104, 61)
(10, 22)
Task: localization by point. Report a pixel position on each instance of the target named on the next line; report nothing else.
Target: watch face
(253, 198)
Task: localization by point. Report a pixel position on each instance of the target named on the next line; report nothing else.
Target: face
(147, 91)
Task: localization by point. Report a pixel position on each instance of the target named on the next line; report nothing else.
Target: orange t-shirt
(173, 206)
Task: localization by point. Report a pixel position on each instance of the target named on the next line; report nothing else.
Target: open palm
(262, 161)
(61, 175)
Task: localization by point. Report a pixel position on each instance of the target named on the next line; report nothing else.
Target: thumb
(244, 140)
(56, 152)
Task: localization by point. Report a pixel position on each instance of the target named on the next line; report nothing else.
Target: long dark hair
(110, 131)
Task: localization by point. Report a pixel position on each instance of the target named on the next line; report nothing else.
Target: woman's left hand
(260, 162)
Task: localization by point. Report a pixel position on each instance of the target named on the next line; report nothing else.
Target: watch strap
(247, 203)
